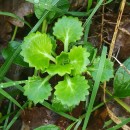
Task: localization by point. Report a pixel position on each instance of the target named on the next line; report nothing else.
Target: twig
(124, 31)
(106, 42)
(128, 71)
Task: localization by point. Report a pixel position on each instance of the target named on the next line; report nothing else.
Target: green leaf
(59, 69)
(36, 50)
(62, 67)
(122, 81)
(55, 11)
(41, 5)
(107, 70)
(72, 90)
(48, 127)
(63, 5)
(37, 89)
(68, 29)
(12, 46)
(60, 9)
(78, 59)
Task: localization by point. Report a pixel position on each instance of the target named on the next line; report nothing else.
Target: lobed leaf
(72, 90)
(68, 29)
(122, 81)
(78, 59)
(36, 50)
(37, 89)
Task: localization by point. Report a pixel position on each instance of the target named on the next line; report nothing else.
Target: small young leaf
(68, 29)
(36, 50)
(48, 127)
(78, 59)
(72, 90)
(62, 67)
(122, 81)
(59, 69)
(37, 89)
(63, 58)
(107, 70)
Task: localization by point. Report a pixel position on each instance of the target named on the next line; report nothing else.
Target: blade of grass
(6, 116)
(93, 12)
(15, 117)
(70, 126)
(14, 34)
(125, 121)
(74, 13)
(79, 14)
(19, 87)
(8, 111)
(119, 101)
(12, 83)
(95, 87)
(89, 4)
(4, 93)
(78, 124)
(4, 68)
(34, 29)
(87, 28)
(46, 104)
(107, 123)
(109, 1)
(14, 16)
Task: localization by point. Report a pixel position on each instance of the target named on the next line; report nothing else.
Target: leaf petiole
(46, 79)
(12, 83)
(44, 26)
(66, 44)
(49, 56)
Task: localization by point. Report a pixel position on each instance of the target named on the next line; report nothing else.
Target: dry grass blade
(116, 119)
(116, 28)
